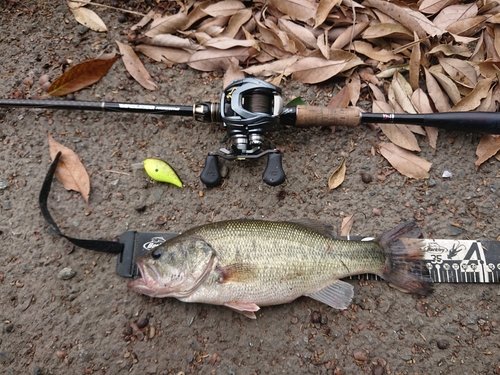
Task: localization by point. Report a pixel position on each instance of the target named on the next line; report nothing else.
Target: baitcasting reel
(249, 108)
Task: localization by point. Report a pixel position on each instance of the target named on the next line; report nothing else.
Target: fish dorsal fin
(236, 273)
(338, 295)
(245, 308)
(316, 226)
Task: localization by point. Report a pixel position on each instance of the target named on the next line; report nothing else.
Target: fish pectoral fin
(338, 295)
(236, 273)
(245, 308)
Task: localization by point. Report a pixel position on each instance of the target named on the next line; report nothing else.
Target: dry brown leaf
(169, 40)
(135, 67)
(300, 32)
(315, 69)
(236, 22)
(473, 100)
(440, 100)
(398, 134)
(405, 162)
(387, 30)
(213, 59)
(341, 99)
(227, 43)
(490, 69)
(377, 93)
(398, 13)
(337, 176)
(467, 27)
(160, 54)
(80, 76)
(416, 56)
(70, 171)
(354, 83)
(447, 84)
(422, 104)
(302, 10)
(323, 45)
(452, 49)
(460, 71)
(89, 18)
(402, 92)
(348, 35)
(233, 72)
(346, 227)
(168, 25)
(367, 49)
(269, 69)
(213, 26)
(224, 8)
(79, 4)
(324, 8)
(454, 13)
(434, 6)
(489, 145)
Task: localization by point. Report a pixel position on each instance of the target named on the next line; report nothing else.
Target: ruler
(445, 261)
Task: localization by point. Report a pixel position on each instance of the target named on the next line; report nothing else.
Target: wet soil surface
(92, 324)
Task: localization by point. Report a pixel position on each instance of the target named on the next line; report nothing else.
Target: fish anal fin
(236, 273)
(245, 308)
(337, 295)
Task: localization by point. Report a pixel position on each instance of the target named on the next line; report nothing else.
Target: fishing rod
(249, 108)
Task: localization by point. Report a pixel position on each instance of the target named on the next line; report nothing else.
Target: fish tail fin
(403, 266)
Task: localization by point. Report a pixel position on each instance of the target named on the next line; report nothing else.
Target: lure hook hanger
(249, 108)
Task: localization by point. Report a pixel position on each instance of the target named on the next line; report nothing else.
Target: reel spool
(249, 108)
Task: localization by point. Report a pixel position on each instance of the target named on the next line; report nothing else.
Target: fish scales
(246, 264)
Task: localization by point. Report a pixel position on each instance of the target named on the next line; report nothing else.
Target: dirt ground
(85, 325)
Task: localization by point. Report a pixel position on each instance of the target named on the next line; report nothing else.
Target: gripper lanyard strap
(96, 245)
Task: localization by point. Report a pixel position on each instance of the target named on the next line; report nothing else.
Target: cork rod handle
(323, 116)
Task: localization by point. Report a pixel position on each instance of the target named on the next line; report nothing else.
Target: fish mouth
(147, 283)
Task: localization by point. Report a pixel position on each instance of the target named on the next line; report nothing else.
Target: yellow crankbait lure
(161, 171)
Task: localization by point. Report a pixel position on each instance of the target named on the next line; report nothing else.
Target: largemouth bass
(246, 264)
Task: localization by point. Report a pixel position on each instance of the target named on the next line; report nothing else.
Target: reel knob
(210, 175)
(274, 174)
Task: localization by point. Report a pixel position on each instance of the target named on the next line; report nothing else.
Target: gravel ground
(91, 323)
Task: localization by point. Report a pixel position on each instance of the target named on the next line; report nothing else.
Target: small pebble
(378, 370)
(294, 320)
(122, 18)
(43, 79)
(376, 211)
(160, 220)
(316, 317)
(127, 331)
(366, 177)
(143, 322)
(360, 355)
(443, 344)
(66, 273)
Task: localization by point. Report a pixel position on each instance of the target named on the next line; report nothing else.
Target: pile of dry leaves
(414, 57)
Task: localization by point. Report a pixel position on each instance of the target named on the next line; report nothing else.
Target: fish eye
(157, 253)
